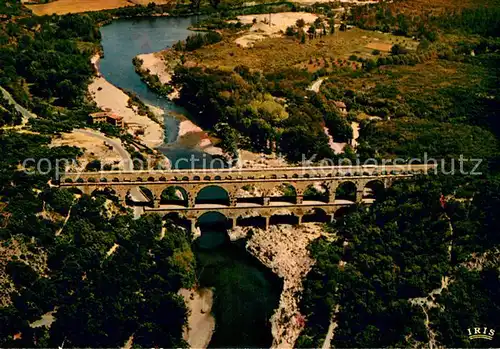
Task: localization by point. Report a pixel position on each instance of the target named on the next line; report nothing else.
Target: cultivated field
(74, 6)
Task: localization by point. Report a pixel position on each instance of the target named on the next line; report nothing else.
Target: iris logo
(481, 333)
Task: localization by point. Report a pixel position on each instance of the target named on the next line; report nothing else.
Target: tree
(290, 31)
(300, 23)
(397, 49)
(214, 3)
(195, 4)
(331, 24)
(311, 31)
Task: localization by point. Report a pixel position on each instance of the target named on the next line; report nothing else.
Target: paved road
(24, 112)
(355, 126)
(316, 85)
(135, 193)
(116, 143)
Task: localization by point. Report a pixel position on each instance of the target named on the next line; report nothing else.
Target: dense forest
(400, 249)
(247, 109)
(102, 277)
(420, 266)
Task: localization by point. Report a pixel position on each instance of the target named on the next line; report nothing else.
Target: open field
(280, 53)
(425, 78)
(75, 6)
(440, 6)
(270, 25)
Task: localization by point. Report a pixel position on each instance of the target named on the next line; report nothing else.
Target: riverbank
(110, 98)
(189, 134)
(283, 249)
(201, 324)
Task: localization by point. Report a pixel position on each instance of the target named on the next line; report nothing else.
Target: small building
(107, 117)
(341, 106)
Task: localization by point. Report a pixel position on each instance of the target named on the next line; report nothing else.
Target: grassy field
(440, 6)
(423, 78)
(75, 6)
(280, 53)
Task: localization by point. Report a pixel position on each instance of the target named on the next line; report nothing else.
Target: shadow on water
(246, 292)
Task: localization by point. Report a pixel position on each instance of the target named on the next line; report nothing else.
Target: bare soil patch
(379, 46)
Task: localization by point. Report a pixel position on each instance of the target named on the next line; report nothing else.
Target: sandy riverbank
(155, 63)
(189, 134)
(201, 323)
(283, 249)
(109, 97)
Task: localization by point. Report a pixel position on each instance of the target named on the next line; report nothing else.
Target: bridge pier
(232, 201)
(193, 226)
(267, 200)
(156, 203)
(331, 197)
(267, 222)
(300, 199)
(300, 219)
(359, 195)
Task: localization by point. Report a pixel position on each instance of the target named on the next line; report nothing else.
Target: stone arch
(177, 218)
(251, 221)
(151, 179)
(249, 194)
(196, 178)
(138, 179)
(317, 191)
(213, 219)
(373, 189)
(341, 212)
(284, 192)
(75, 190)
(174, 195)
(213, 194)
(211, 227)
(284, 218)
(317, 215)
(108, 192)
(206, 178)
(68, 180)
(346, 191)
(115, 180)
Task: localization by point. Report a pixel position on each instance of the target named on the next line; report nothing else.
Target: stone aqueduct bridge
(362, 180)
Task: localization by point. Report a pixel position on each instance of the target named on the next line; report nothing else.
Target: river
(245, 292)
(124, 39)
